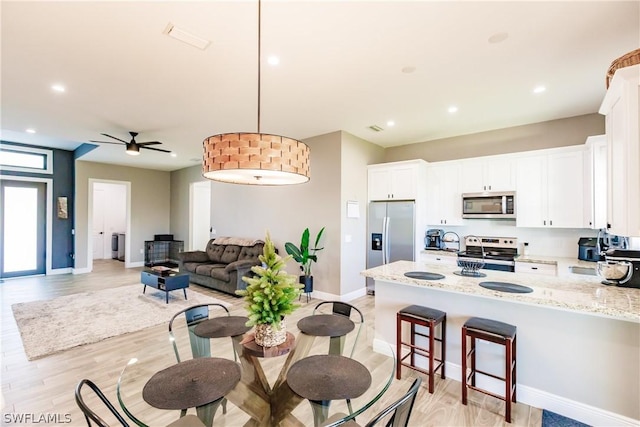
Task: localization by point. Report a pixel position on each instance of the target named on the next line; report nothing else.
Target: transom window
(25, 159)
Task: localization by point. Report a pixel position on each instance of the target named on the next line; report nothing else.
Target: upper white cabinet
(550, 190)
(595, 182)
(396, 180)
(495, 173)
(445, 200)
(620, 106)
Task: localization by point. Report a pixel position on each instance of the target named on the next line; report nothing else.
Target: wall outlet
(142, 251)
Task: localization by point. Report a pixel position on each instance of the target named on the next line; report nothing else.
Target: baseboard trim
(80, 270)
(134, 264)
(55, 271)
(537, 398)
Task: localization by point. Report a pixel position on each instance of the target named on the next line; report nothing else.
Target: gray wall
(356, 155)
(537, 136)
(150, 199)
(180, 181)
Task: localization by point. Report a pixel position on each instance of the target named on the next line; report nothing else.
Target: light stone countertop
(578, 293)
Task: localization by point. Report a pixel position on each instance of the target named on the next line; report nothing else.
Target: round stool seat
(422, 312)
(501, 329)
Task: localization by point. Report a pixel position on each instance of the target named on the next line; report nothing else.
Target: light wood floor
(46, 386)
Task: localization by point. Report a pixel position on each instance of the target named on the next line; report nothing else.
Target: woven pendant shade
(255, 159)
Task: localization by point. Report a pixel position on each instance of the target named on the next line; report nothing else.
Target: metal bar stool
(495, 332)
(429, 318)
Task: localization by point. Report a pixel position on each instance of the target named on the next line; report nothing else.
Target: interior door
(22, 228)
(98, 224)
(200, 207)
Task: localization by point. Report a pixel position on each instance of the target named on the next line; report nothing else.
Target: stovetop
(496, 248)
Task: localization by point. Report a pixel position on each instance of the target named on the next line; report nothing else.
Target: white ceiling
(341, 68)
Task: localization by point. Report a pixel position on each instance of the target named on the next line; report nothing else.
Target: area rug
(551, 419)
(51, 326)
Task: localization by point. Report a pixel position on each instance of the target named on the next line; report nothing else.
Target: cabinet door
(498, 174)
(379, 183)
(595, 183)
(471, 176)
(617, 188)
(444, 203)
(531, 193)
(565, 189)
(404, 180)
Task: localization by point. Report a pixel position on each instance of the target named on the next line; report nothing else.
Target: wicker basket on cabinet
(626, 60)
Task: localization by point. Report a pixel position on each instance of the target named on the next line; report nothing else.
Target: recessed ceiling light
(498, 38)
(409, 69)
(391, 123)
(539, 89)
(273, 60)
(58, 88)
(452, 109)
(30, 130)
(174, 154)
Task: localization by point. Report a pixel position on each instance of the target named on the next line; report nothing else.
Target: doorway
(199, 215)
(109, 214)
(23, 228)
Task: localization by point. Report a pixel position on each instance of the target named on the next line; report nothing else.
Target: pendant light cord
(259, 49)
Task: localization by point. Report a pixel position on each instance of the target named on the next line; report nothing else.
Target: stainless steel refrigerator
(391, 230)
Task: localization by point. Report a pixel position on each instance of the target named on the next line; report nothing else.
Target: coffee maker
(433, 239)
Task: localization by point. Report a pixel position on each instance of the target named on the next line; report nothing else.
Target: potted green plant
(269, 296)
(305, 255)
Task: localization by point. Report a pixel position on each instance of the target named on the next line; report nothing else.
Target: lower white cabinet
(535, 268)
(435, 258)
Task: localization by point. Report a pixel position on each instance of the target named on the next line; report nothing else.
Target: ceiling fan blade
(108, 142)
(149, 143)
(121, 140)
(155, 149)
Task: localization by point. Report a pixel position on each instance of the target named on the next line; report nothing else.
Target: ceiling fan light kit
(255, 158)
(133, 149)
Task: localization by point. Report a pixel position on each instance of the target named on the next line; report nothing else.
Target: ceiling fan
(133, 147)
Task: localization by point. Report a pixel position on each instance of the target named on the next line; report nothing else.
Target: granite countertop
(579, 293)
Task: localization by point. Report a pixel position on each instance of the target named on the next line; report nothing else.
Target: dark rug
(551, 419)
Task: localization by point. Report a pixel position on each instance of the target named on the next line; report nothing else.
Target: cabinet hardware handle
(534, 268)
(544, 222)
(489, 187)
(550, 222)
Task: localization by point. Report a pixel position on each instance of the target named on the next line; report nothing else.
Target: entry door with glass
(22, 228)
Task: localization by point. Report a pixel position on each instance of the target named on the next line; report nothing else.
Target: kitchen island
(578, 340)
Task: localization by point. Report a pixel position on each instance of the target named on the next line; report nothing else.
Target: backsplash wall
(555, 242)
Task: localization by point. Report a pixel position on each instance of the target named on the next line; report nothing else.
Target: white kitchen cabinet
(622, 124)
(444, 200)
(536, 268)
(494, 173)
(595, 182)
(439, 258)
(395, 180)
(550, 190)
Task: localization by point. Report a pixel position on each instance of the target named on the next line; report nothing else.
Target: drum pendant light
(255, 158)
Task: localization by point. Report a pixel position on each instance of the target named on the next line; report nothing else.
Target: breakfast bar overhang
(578, 340)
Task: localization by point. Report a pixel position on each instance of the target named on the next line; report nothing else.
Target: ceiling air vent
(376, 128)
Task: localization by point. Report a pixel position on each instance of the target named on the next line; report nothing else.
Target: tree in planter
(269, 296)
(305, 255)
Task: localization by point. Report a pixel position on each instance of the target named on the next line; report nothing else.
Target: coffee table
(163, 282)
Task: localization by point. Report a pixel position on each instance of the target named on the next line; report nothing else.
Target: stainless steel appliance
(433, 239)
(589, 250)
(621, 268)
(495, 253)
(391, 227)
(496, 205)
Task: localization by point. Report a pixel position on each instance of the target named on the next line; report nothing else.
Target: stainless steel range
(499, 253)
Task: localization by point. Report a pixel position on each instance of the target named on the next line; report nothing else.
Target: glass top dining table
(333, 370)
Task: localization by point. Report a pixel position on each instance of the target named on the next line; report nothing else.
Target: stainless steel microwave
(501, 205)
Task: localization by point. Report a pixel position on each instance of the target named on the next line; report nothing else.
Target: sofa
(222, 264)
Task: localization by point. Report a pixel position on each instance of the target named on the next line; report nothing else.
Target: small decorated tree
(269, 296)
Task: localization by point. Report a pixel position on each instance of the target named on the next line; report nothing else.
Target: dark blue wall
(63, 186)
